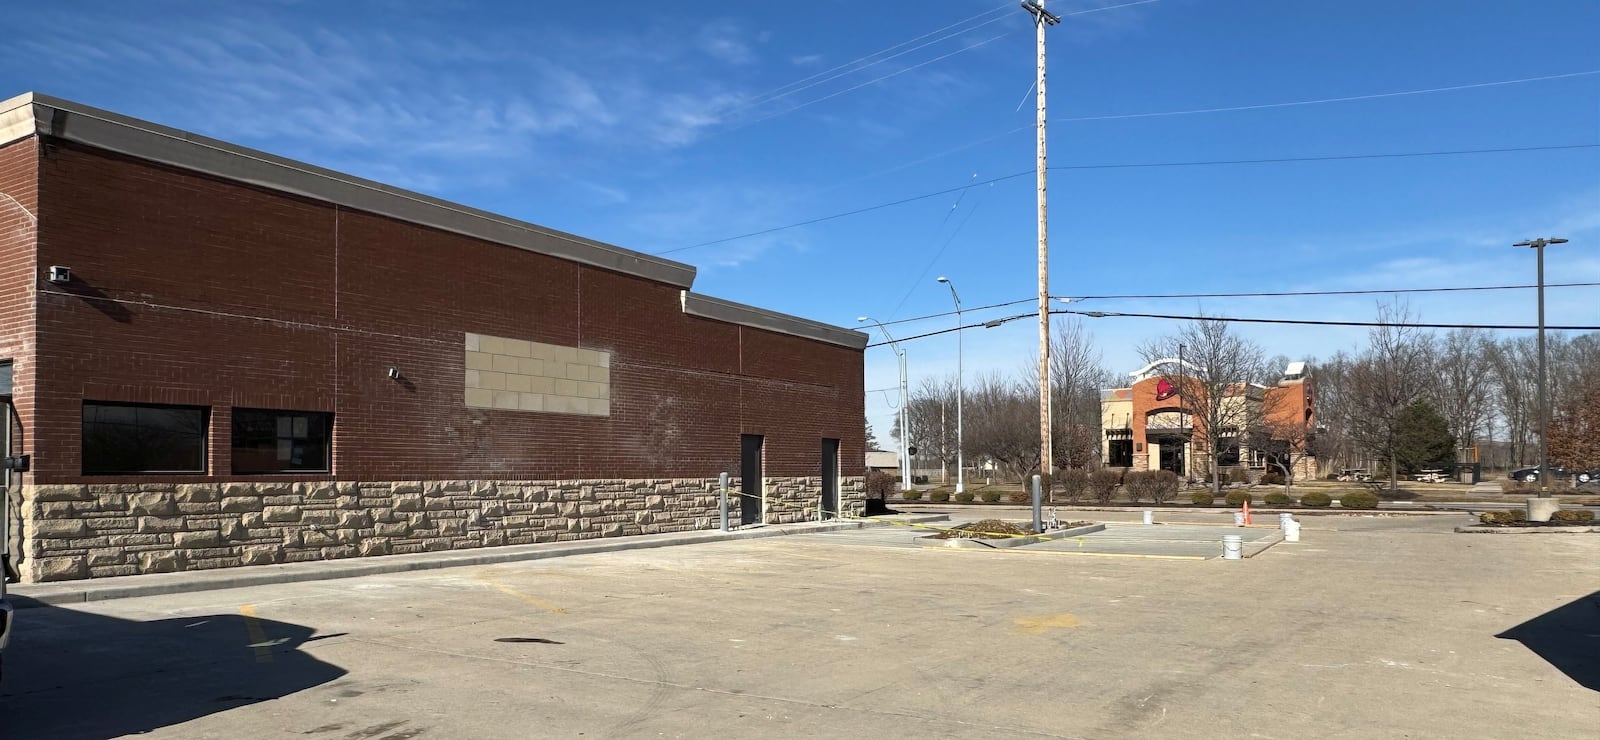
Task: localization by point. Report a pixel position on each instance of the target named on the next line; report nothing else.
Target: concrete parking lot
(1370, 627)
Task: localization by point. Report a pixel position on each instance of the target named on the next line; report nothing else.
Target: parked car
(1530, 475)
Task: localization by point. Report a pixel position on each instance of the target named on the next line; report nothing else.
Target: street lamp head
(943, 279)
(860, 319)
(1557, 240)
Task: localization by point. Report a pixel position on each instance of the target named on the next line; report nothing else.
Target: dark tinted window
(5, 377)
(280, 441)
(121, 438)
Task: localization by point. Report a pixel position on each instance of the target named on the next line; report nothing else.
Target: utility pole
(1042, 18)
(905, 430)
(1538, 246)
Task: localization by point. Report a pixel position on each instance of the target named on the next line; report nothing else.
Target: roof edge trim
(706, 307)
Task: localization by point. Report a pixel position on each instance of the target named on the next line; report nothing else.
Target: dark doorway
(750, 480)
(830, 479)
(1172, 454)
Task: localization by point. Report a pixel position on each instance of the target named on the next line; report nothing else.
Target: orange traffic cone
(1247, 512)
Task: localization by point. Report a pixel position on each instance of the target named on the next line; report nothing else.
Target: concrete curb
(1311, 511)
(156, 584)
(1475, 529)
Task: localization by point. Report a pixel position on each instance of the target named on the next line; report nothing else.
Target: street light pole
(961, 384)
(1538, 246)
(905, 431)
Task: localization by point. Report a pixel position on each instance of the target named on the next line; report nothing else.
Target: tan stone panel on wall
(520, 375)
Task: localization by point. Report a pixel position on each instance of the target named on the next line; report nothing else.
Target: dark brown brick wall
(195, 290)
(19, 186)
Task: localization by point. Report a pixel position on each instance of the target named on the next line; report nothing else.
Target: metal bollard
(1038, 522)
(723, 480)
(1149, 517)
(1232, 547)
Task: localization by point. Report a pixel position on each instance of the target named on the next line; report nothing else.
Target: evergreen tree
(1423, 439)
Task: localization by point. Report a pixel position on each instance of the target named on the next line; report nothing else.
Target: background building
(222, 357)
(1146, 426)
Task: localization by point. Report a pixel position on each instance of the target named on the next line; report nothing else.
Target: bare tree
(1514, 363)
(1215, 387)
(1284, 436)
(1389, 376)
(1077, 374)
(931, 411)
(1463, 383)
(1001, 424)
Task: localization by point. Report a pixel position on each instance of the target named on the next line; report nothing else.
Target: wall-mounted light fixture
(60, 275)
(394, 373)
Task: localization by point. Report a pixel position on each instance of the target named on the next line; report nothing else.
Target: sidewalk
(154, 584)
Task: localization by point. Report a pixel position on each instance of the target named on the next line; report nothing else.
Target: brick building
(1145, 426)
(214, 356)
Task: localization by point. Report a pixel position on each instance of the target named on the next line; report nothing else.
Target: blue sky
(658, 126)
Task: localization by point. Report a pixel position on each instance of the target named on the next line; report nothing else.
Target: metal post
(1038, 522)
(1538, 246)
(961, 384)
(724, 483)
(1544, 405)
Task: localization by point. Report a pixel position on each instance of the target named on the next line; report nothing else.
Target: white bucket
(1232, 547)
(1291, 533)
(1149, 517)
(1284, 520)
(1238, 519)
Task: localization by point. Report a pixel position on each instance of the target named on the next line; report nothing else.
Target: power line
(1321, 101)
(849, 68)
(1309, 322)
(1329, 292)
(1014, 175)
(1297, 293)
(992, 323)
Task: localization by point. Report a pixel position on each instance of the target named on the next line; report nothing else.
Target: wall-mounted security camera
(394, 373)
(60, 275)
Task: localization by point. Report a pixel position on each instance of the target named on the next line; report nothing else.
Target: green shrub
(1103, 484)
(911, 495)
(1074, 482)
(990, 497)
(1505, 517)
(1316, 499)
(1201, 498)
(881, 485)
(964, 497)
(1573, 516)
(939, 497)
(1019, 497)
(1278, 498)
(1272, 478)
(1358, 500)
(1237, 498)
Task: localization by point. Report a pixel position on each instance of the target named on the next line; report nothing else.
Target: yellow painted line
(258, 636)
(534, 600)
(1036, 625)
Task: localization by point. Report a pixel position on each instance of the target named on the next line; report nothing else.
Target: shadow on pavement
(1568, 637)
(72, 674)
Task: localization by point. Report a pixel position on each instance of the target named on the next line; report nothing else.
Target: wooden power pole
(1041, 19)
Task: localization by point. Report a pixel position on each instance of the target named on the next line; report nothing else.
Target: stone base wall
(94, 531)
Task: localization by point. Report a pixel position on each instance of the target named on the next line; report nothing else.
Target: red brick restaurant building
(213, 356)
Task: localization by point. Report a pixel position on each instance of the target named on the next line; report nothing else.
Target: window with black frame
(268, 441)
(128, 438)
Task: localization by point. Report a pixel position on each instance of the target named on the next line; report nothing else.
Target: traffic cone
(1247, 512)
